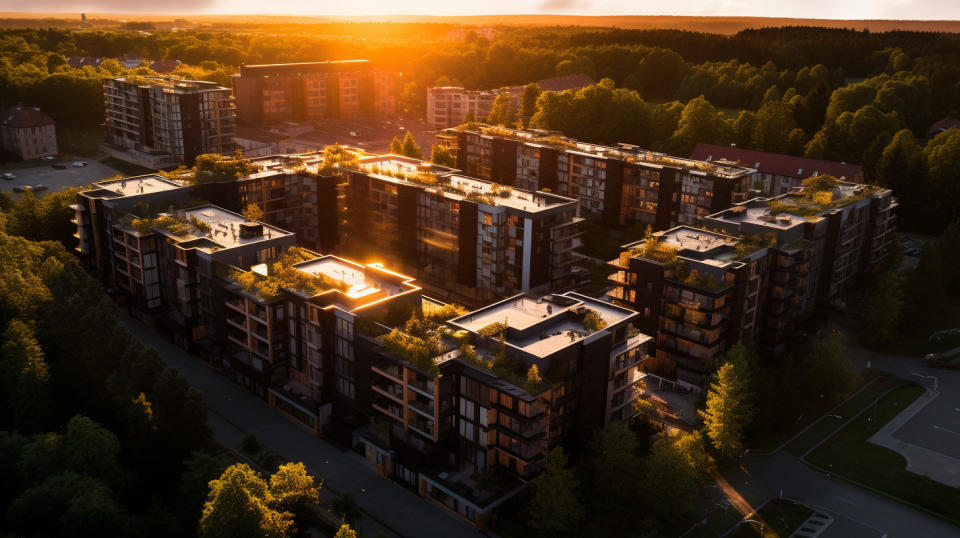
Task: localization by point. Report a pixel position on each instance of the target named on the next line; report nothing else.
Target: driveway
(234, 411)
(44, 174)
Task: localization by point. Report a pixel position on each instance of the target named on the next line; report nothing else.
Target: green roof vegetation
(282, 274)
(211, 167)
(422, 337)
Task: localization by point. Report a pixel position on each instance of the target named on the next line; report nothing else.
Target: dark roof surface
(776, 163)
(25, 116)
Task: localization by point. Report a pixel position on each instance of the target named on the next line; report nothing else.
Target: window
(345, 387)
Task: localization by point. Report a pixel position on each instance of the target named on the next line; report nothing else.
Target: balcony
(424, 408)
(423, 387)
(421, 425)
(389, 389)
(388, 370)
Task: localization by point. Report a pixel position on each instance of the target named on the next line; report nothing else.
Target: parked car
(47, 158)
(40, 187)
(8, 176)
(59, 166)
(18, 188)
(79, 164)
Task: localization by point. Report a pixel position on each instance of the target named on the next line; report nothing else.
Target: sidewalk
(234, 411)
(920, 460)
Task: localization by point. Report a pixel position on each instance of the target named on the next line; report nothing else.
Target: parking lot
(44, 174)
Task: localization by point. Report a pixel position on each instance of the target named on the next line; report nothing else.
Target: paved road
(872, 514)
(234, 411)
(58, 179)
(937, 426)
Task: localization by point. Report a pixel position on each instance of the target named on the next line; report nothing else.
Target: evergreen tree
(882, 311)
(253, 212)
(678, 487)
(555, 508)
(26, 378)
(345, 532)
(443, 156)
(728, 410)
(409, 147)
(396, 146)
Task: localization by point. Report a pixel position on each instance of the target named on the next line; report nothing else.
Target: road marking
(946, 430)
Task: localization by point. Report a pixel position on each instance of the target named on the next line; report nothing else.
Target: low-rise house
(28, 132)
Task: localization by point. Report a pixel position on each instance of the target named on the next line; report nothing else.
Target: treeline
(97, 436)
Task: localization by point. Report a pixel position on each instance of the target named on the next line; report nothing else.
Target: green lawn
(827, 424)
(780, 518)
(848, 454)
(80, 140)
(719, 520)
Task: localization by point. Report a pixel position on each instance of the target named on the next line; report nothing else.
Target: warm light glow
(854, 9)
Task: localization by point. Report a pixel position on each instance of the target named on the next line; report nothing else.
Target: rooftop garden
(750, 243)
(424, 337)
(282, 274)
(336, 157)
(819, 194)
(212, 167)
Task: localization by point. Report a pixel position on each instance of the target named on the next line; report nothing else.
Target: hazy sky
(826, 9)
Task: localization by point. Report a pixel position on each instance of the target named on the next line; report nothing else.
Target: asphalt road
(235, 411)
(937, 426)
(866, 514)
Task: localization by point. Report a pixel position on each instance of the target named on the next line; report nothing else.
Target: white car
(46, 158)
(79, 164)
(9, 175)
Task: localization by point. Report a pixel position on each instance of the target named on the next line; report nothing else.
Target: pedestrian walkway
(813, 526)
(234, 412)
(920, 460)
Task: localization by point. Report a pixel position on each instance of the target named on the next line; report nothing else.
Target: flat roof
(624, 152)
(366, 283)
(225, 227)
(132, 186)
(543, 325)
(758, 212)
(400, 169)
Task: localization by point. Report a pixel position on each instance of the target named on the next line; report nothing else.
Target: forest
(854, 96)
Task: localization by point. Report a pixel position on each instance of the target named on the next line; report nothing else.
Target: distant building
(778, 174)
(751, 274)
(161, 122)
(620, 185)
(28, 132)
(311, 91)
(165, 67)
(467, 239)
(449, 106)
(462, 33)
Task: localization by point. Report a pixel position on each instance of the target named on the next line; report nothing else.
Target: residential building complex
(28, 132)
(776, 173)
(472, 406)
(467, 239)
(449, 106)
(751, 274)
(619, 185)
(311, 91)
(164, 263)
(162, 122)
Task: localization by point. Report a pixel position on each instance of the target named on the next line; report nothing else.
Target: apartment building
(162, 122)
(289, 331)
(28, 132)
(619, 185)
(311, 91)
(474, 409)
(142, 238)
(752, 274)
(778, 174)
(294, 192)
(466, 239)
(449, 106)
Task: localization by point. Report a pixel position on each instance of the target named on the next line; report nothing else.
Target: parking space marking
(941, 428)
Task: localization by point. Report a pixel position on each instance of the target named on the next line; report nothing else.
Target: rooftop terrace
(543, 326)
(133, 186)
(399, 169)
(363, 284)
